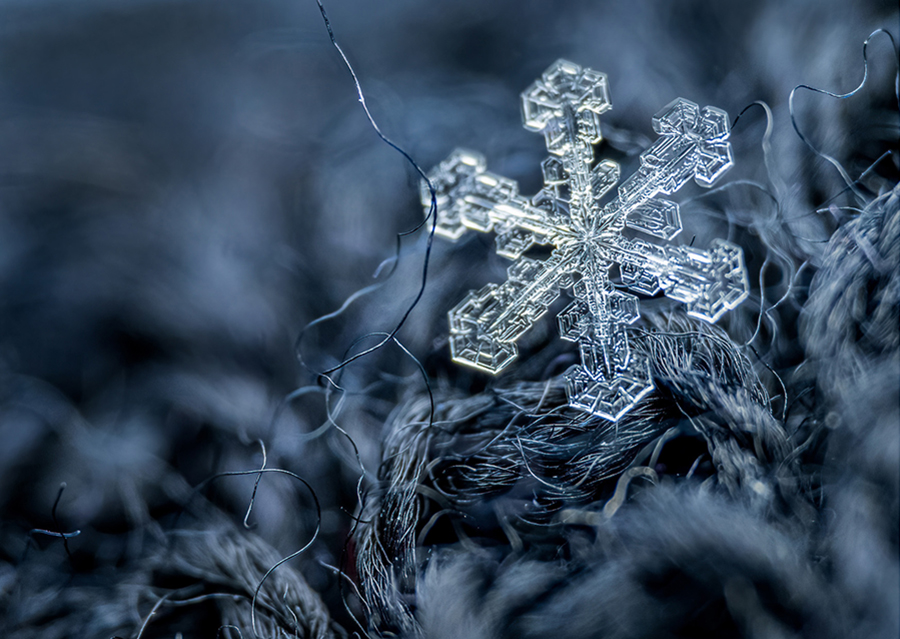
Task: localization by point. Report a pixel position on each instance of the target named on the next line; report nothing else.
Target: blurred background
(185, 185)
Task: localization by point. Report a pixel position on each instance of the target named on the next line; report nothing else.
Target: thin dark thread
(65, 536)
(151, 613)
(422, 371)
(262, 445)
(779, 187)
(432, 216)
(360, 496)
(822, 207)
(287, 400)
(326, 374)
(784, 391)
(766, 144)
(315, 535)
(841, 96)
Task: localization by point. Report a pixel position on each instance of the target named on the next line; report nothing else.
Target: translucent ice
(565, 104)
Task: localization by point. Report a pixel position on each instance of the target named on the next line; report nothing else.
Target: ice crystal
(588, 237)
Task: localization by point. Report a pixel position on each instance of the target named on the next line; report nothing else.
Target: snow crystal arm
(611, 378)
(565, 104)
(693, 143)
(486, 324)
(470, 197)
(710, 282)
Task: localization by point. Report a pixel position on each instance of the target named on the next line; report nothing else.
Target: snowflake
(588, 237)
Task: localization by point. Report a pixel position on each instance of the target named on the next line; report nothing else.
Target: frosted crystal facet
(565, 105)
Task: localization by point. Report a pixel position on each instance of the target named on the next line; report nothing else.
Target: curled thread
(851, 184)
(315, 535)
(432, 216)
